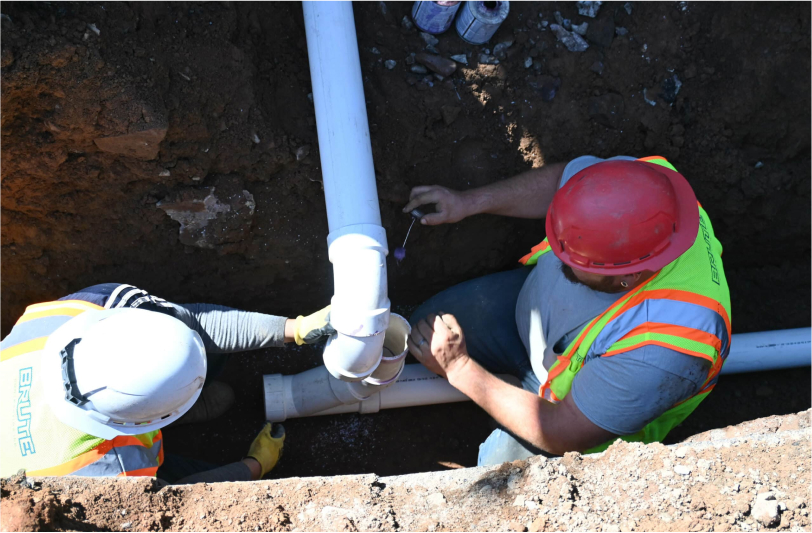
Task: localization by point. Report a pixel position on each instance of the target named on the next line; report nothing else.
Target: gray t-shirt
(622, 393)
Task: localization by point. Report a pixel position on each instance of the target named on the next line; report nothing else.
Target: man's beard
(604, 285)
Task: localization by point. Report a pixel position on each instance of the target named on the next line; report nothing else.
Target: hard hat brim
(682, 239)
(88, 421)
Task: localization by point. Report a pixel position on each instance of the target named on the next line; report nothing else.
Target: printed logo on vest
(706, 237)
(24, 438)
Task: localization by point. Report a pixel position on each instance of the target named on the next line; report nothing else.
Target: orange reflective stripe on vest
(535, 252)
(122, 456)
(669, 329)
(564, 360)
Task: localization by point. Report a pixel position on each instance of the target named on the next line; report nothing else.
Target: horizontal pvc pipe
(416, 385)
(769, 350)
(316, 390)
(356, 242)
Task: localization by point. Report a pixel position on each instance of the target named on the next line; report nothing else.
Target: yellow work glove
(311, 328)
(267, 447)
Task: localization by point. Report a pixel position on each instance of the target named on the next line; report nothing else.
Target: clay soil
(220, 90)
(751, 477)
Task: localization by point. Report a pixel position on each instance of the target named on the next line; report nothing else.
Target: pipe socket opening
(394, 352)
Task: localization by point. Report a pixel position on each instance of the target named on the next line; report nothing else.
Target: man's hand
(452, 206)
(310, 329)
(438, 343)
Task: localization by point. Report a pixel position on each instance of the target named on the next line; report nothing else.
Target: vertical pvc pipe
(357, 242)
(341, 115)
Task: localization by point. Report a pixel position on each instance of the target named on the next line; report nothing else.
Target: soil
(114, 114)
(752, 477)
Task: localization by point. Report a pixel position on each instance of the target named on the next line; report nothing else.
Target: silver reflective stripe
(129, 295)
(151, 299)
(122, 459)
(33, 329)
(114, 295)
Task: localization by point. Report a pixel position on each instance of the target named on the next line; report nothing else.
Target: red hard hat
(621, 217)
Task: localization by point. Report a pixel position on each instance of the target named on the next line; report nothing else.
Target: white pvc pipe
(416, 385)
(357, 242)
(769, 350)
(316, 390)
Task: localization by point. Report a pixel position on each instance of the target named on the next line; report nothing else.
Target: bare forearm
(527, 195)
(439, 343)
(517, 410)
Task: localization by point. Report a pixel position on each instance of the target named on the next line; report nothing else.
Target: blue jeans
(486, 309)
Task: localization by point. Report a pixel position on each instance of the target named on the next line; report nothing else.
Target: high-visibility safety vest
(32, 438)
(684, 307)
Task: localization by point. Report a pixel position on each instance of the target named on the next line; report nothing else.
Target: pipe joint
(360, 301)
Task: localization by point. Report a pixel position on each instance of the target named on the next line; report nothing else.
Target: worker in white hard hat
(89, 380)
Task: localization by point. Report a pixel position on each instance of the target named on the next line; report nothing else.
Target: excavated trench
(120, 120)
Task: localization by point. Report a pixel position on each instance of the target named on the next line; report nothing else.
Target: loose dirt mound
(116, 114)
(747, 478)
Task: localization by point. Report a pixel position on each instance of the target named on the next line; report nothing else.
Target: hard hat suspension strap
(72, 393)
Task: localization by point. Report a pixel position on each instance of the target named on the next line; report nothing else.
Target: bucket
(434, 17)
(394, 352)
(478, 21)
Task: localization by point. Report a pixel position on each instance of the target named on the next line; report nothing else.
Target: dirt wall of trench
(169, 99)
(752, 477)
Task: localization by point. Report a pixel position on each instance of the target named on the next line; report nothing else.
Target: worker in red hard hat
(616, 326)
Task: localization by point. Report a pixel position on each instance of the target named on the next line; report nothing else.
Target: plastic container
(434, 17)
(478, 21)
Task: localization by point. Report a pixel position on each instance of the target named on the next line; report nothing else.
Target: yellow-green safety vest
(685, 307)
(32, 438)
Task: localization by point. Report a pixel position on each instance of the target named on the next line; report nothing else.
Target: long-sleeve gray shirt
(227, 330)
(223, 329)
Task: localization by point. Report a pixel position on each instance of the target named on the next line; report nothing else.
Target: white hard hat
(122, 371)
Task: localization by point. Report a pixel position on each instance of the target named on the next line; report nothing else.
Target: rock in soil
(601, 32)
(440, 65)
(765, 509)
(607, 109)
(460, 58)
(573, 41)
(450, 114)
